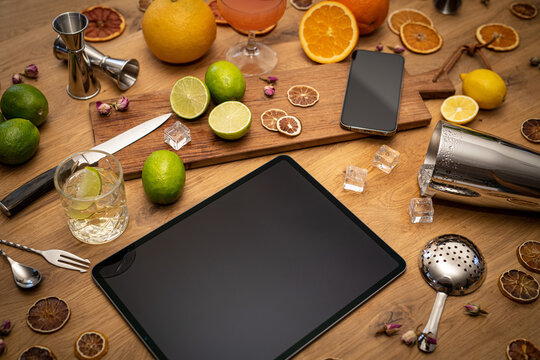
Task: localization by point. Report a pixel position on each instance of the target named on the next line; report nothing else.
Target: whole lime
(26, 102)
(163, 177)
(19, 140)
(485, 86)
(225, 82)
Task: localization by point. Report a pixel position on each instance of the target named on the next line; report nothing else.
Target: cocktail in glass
(253, 58)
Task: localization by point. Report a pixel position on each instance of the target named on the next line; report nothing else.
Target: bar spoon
(26, 277)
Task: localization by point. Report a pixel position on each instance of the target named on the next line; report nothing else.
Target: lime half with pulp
(89, 187)
(189, 97)
(230, 120)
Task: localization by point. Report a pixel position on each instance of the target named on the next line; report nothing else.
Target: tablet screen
(257, 271)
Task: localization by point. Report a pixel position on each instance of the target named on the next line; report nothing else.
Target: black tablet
(257, 271)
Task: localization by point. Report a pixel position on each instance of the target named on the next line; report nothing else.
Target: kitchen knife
(31, 190)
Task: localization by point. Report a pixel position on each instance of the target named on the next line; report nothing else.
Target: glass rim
(241, 10)
(93, 198)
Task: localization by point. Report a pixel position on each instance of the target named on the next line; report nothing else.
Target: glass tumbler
(91, 188)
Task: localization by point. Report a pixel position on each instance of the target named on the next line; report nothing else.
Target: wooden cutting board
(320, 123)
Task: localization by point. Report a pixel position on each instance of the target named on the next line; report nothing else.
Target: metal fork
(59, 258)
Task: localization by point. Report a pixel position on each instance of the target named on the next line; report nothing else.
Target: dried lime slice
(48, 315)
(519, 286)
(289, 125)
(189, 97)
(520, 349)
(530, 129)
(529, 255)
(303, 95)
(91, 345)
(270, 117)
(230, 120)
(37, 352)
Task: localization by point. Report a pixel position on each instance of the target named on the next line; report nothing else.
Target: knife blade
(31, 190)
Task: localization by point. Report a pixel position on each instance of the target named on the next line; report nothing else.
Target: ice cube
(177, 135)
(355, 178)
(386, 159)
(421, 210)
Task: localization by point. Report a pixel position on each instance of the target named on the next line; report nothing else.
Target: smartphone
(371, 103)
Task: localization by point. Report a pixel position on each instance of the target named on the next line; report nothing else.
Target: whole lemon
(484, 86)
(179, 31)
(163, 177)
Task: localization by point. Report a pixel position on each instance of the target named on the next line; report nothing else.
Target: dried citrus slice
(48, 315)
(328, 32)
(220, 20)
(521, 349)
(270, 117)
(302, 95)
(529, 255)
(459, 109)
(402, 16)
(523, 10)
(519, 286)
(530, 129)
(507, 37)
(302, 4)
(37, 352)
(420, 38)
(91, 345)
(104, 23)
(144, 4)
(289, 125)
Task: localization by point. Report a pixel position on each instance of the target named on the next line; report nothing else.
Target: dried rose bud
(269, 90)
(122, 104)
(409, 338)
(380, 47)
(398, 49)
(2, 346)
(31, 71)
(534, 61)
(5, 327)
(103, 108)
(270, 79)
(16, 78)
(474, 310)
(389, 329)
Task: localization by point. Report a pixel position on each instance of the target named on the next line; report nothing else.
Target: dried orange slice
(48, 315)
(220, 20)
(402, 16)
(144, 4)
(270, 117)
(328, 32)
(91, 345)
(523, 10)
(529, 255)
(521, 349)
(37, 352)
(530, 129)
(507, 36)
(104, 23)
(302, 4)
(302, 95)
(289, 125)
(519, 286)
(420, 38)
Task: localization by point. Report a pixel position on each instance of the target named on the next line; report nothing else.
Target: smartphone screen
(371, 102)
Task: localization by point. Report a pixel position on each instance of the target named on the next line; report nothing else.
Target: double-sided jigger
(123, 72)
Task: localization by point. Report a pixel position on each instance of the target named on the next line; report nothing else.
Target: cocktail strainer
(452, 265)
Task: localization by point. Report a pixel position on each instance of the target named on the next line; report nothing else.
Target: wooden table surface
(26, 36)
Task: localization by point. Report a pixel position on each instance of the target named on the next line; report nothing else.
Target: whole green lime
(163, 177)
(225, 82)
(26, 102)
(19, 140)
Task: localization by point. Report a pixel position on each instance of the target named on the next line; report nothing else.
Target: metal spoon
(26, 277)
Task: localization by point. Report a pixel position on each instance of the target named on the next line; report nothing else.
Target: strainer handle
(428, 343)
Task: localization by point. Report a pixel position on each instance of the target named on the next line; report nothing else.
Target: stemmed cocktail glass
(253, 58)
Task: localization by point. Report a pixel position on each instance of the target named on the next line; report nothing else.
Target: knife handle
(27, 193)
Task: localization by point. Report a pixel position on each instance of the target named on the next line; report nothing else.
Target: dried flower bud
(270, 79)
(16, 78)
(409, 338)
(103, 108)
(2, 346)
(31, 71)
(122, 104)
(389, 329)
(474, 310)
(398, 49)
(5, 327)
(380, 47)
(269, 90)
(534, 61)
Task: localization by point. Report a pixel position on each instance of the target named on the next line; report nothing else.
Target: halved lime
(89, 186)
(230, 120)
(189, 97)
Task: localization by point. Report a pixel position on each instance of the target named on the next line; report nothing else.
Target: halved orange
(328, 32)
(91, 345)
(506, 36)
(519, 286)
(420, 38)
(402, 16)
(270, 117)
(104, 23)
(48, 315)
(523, 10)
(529, 255)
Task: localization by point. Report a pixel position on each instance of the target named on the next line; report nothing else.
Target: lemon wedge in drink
(459, 109)
(189, 97)
(230, 120)
(88, 181)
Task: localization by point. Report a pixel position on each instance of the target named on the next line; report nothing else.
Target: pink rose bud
(474, 310)
(409, 338)
(122, 104)
(16, 78)
(269, 90)
(5, 327)
(31, 71)
(103, 108)
(2, 346)
(398, 49)
(272, 79)
(389, 329)
(380, 47)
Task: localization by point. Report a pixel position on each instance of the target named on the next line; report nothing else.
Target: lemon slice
(459, 109)
(189, 97)
(89, 186)
(230, 120)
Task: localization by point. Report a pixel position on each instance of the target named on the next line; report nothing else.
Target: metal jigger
(123, 72)
(82, 84)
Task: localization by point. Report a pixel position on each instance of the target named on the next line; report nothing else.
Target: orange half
(328, 32)
(507, 36)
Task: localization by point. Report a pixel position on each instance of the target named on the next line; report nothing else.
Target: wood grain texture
(26, 37)
(320, 123)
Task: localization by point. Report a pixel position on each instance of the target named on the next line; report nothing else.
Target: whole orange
(369, 14)
(179, 31)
